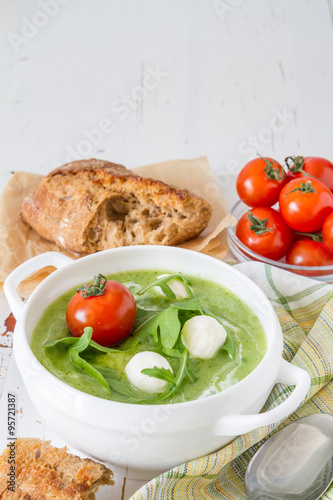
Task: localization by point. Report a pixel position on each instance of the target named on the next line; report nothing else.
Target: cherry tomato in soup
(315, 166)
(305, 203)
(263, 230)
(260, 181)
(327, 232)
(306, 252)
(107, 306)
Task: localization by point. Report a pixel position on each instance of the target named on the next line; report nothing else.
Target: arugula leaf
(125, 389)
(182, 371)
(64, 340)
(173, 353)
(162, 283)
(176, 380)
(121, 385)
(190, 374)
(109, 350)
(78, 346)
(165, 325)
(89, 369)
(74, 355)
(149, 327)
(192, 304)
(161, 373)
(92, 343)
(169, 327)
(144, 314)
(229, 346)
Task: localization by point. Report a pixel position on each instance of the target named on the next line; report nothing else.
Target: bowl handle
(234, 425)
(11, 283)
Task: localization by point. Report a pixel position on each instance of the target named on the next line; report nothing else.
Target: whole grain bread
(44, 472)
(93, 205)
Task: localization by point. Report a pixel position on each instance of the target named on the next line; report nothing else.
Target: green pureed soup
(102, 372)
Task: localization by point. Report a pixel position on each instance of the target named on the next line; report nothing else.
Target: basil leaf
(169, 326)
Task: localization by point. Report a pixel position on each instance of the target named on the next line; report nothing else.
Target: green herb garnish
(74, 355)
(92, 343)
(163, 284)
(174, 381)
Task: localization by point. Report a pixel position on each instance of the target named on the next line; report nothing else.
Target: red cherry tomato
(311, 166)
(264, 231)
(305, 203)
(306, 252)
(327, 232)
(260, 181)
(111, 314)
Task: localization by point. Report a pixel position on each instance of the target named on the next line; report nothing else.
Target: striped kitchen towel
(305, 310)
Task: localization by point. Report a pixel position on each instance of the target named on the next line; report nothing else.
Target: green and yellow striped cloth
(305, 310)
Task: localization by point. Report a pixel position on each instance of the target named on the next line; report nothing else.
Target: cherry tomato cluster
(300, 229)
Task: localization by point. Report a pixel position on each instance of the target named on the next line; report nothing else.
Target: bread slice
(43, 472)
(93, 205)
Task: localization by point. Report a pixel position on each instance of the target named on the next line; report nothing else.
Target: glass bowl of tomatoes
(243, 253)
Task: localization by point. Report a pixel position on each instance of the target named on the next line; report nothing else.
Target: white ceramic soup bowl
(149, 439)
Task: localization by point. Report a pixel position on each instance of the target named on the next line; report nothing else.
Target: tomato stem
(272, 172)
(297, 165)
(306, 187)
(95, 288)
(314, 236)
(259, 226)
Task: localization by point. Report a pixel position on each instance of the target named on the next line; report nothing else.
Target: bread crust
(92, 205)
(44, 472)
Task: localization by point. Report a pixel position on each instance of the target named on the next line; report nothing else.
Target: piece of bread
(43, 472)
(93, 205)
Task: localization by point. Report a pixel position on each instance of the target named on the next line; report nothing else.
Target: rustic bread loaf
(93, 205)
(42, 471)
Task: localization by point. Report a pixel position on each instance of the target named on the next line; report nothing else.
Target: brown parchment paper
(18, 242)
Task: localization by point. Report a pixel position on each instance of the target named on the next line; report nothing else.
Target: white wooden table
(141, 82)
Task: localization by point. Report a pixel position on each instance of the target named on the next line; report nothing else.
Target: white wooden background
(138, 82)
(228, 78)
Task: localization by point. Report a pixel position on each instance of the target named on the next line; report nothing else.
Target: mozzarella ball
(177, 286)
(142, 360)
(203, 336)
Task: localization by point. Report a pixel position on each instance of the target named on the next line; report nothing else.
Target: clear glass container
(243, 254)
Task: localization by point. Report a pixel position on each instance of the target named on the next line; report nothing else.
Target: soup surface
(210, 376)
